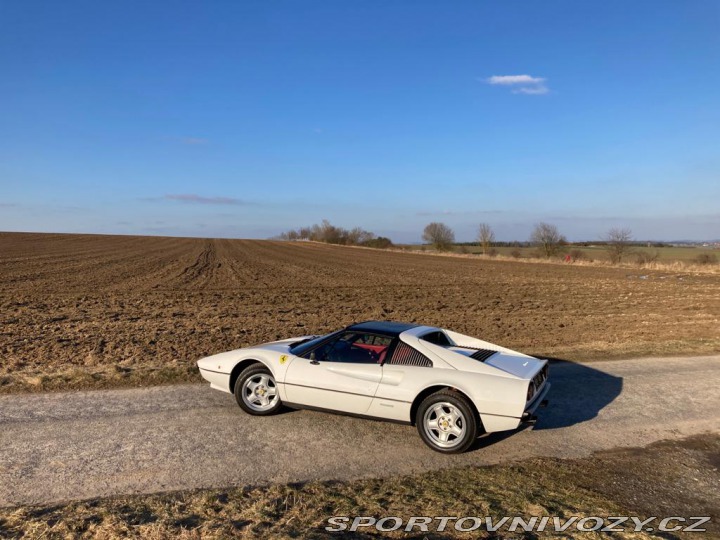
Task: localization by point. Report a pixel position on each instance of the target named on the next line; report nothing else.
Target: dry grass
(99, 377)
(623, 482)
(673, 265)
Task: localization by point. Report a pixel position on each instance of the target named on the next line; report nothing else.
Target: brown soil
(94, 311)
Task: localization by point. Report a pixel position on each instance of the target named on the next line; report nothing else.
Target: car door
(342, 374)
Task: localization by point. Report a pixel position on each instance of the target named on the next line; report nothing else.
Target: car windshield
(301, 347)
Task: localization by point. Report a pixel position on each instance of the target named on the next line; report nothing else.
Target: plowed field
(94, 311)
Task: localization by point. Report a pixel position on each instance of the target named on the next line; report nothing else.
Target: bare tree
(358, 236)
(439, 235)
(486, 236)
(327, 232)
(618, 243)
(548, 239)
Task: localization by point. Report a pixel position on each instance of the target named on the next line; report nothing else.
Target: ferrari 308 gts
(451, 386)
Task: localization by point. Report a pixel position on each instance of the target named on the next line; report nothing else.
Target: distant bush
(381, 242)
(516, 253)
(645, 257)
(492, 252)
(706, 258)
(513, 244)
(578, 255)
(329, 233)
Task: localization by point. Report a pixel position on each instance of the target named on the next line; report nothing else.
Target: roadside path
(62, 446)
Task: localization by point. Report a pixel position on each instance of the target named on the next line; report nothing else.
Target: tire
(446, 422)
(256, 391)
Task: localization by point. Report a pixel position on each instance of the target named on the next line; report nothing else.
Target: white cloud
(521, 84)
(515, 79)
(199, 199)
(532, 90)
(459, 212)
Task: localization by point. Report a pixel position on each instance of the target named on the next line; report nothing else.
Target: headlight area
(217, 380)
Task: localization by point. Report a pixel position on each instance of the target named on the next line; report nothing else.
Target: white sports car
(451, 386)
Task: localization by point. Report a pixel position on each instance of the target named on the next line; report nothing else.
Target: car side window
(353, 348)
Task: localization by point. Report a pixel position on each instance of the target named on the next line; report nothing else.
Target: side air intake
(405, 355)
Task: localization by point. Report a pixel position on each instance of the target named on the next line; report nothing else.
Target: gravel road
(64, 446)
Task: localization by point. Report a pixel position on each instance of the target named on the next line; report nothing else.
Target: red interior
(378, 350)
(374, 348)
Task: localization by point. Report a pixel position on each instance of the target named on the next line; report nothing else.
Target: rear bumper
(492, 423)
(539, 400)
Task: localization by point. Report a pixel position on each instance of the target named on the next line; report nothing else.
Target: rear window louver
(405, 355)
(482, 354)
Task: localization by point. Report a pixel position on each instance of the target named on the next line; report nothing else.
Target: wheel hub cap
(444, 424)
(259, 392)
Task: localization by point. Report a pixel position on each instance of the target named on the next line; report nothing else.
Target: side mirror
(312, 359)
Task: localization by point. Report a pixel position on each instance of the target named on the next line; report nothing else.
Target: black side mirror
(312, 359)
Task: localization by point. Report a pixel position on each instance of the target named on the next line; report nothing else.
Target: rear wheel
(256, 391)
(447, 422)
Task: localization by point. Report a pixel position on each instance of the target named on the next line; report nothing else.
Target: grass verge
(155, 373)
(99, 378)
(671, 478)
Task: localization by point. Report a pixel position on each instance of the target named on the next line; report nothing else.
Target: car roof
(391, 328)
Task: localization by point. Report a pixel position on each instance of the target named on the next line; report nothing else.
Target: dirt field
(94, 311)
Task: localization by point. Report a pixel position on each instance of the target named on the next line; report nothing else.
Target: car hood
(222, 361)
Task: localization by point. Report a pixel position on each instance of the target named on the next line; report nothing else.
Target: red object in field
(568, 258)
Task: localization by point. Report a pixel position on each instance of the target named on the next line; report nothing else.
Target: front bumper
(217, 380)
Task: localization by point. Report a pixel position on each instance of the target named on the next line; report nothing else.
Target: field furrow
(89, 310)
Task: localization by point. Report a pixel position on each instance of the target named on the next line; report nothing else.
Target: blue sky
(244, 119)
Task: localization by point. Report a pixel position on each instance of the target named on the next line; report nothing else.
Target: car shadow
(488, 439)
(577, 394)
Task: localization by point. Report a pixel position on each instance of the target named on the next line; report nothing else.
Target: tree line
(331, 234)
(545, 237)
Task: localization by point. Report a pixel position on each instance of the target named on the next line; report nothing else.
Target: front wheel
(446, 422)
(256, 391)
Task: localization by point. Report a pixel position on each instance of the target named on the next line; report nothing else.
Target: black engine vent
(482, 354)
